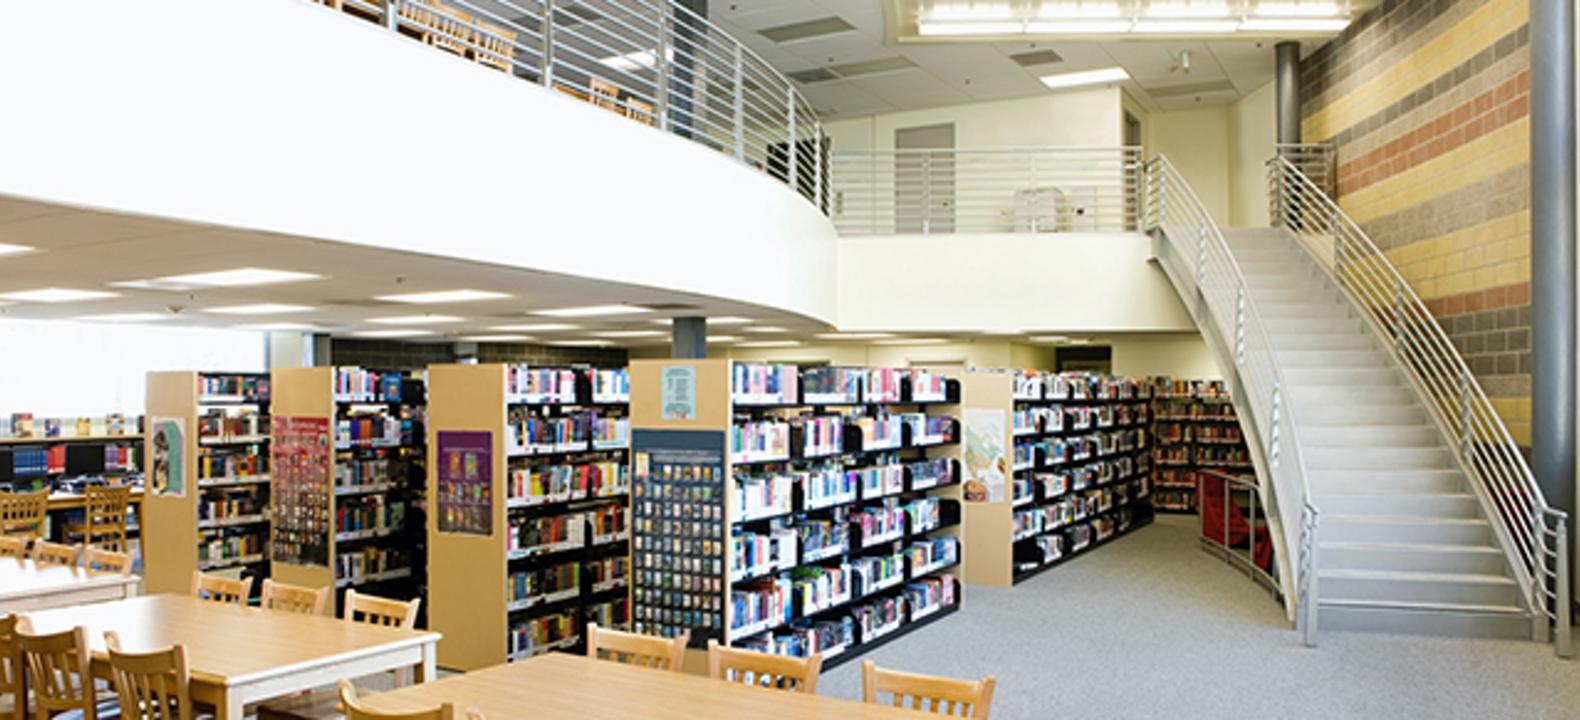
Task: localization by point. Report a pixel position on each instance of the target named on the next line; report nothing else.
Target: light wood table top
(557, 685)
(26, 587)
(60, 501)
(242, 655)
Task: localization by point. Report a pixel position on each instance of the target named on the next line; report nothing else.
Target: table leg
(229, 707)
(427, 671)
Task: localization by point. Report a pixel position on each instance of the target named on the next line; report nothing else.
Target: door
(924, 179)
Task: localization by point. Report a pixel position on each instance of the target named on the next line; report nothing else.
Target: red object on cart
(1211, 500)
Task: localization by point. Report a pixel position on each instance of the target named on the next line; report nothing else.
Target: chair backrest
(380, 611)
(781, 672)
(14, 547)
(221, 589)
(11, 674)
(48, 553)
(22, 514)
(632, 649)
(106, 509)
(929, 693)
(356, 711)
(153, 685)
(106, 562)
(604, 94)
(58, 671)
(293, 598)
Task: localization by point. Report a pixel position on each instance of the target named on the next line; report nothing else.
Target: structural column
(1286, 77)
(690, 338)
(1553, 253)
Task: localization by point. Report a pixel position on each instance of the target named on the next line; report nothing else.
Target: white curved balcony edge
(280, 116)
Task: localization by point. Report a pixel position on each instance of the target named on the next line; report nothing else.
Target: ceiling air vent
(869, 67)
(1039, 57)
(804, 30)
(815, 75)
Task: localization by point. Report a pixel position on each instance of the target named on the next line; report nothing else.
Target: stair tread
(1431, 607)
(1373, 546)
(1412, 576)
(1318, 496)
(1419, 519)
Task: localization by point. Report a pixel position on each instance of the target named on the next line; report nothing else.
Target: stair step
(1313, 294)
(1341, 414)
(1403, 529)
(1292, 325)
(1336, 481)
(1343, 376)
(1321, 341)
(1462, 589)
(1480, 559)
(1368, 435)
(1498, 621)
(1441, 505)
(1300, 311)
(1397, 457)
(1304, 396)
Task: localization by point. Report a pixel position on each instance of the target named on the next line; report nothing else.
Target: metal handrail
(1197, 260)
(998, 190)
(1318, 161)
(1232, 484)
(1498, 472)
(654, 61)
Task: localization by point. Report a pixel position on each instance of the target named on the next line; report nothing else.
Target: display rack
(207, 499)
(793, 510)
(528, 520)
(1055, 466)
(1195, 427)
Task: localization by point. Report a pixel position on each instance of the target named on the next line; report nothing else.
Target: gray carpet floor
(1150, 626)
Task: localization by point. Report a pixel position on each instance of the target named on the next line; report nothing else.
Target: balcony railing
(929, 192)
(653, 61)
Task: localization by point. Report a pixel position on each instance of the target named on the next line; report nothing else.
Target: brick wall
(1427, 102)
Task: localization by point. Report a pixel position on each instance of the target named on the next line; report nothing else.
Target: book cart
(792, 510)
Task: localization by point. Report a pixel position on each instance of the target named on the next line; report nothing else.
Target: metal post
(1553, 339)
(817, 167)
(1239, 326)
(392, 14)
(689, 338)
(738, 118)
(927, 193)
(548, 43)
(790, 141)
(666, 25)
(1287, 89)
(1565, 643)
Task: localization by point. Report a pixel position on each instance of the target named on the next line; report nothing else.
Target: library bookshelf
(206, 503)
(36, 453)
(343, 444)
(1055, 465)
(1195, 428)
(792, 510)
(528, 518)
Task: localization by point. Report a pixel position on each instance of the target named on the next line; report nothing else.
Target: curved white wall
(284, 116)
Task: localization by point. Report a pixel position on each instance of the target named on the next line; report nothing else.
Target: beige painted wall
(1182, 355)
(1253, 134)
(1076, 118)
(1196, 142)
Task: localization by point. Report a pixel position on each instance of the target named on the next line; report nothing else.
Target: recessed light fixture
(55, 295)
(1294, 24)
(277, 327)
(260, 309)
(220, 278)
(765, 329)
(9, 249)
(631, 333)
(581, 343)
(124, 318)
(417, 320)
(911, 341)
(1055, 339)
(1080, 341)
(1078, 27)
(444, 296)
(769, 344)
(498, 338)
(1186, 10)
(391, 333)
(854, 336)
(1085, 77)
(1001, 332)
(723, 338)
(636, 59)
(949, 28)
(592, 311)
(1300, 9)
(541, 327)
(1187, 26)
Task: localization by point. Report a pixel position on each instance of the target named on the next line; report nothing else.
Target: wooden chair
(633, 649)
(152, 685)
(640, 111)
(494, 46)
(51, 554)
(13, 547)
(928, 693)
(780, 672)
(104, 522)
(356, 711)
(221, 590)
(22, 514)
(59, 672)
(380, 611)
(604, 95)
(293, 598)
(13, 690)
(104, 562)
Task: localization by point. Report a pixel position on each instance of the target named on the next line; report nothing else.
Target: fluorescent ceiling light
(1304, 9)
(1298, 24)
(124, 318)
(636, 59)
(1062, 11)
(592, 310)
(1187, 10)
(769, 344)
(540, 327)
(765, 329)
(723, 338)
(912, 341)
(949, 29)
(1081, 341)
(498, 338)
(854, 336)
(277, 327)
(55, 295)
(444, 296)
(1055, 339)
(631, 333)
(260, 309)
(9, 249)
(219, 278)
(581, 343)
(1001, 332)
(1085, 77)
(1186, 27)
(970, 12)
(391, 333)
(416, 320)
(1078, 27)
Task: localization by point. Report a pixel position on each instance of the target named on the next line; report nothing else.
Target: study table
(240, 655)
(557, 685)
(26, 587)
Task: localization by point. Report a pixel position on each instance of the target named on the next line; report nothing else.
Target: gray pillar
(323, 354)
(690, 338)
(1286, 75)
(1553, 253)
(465, 352)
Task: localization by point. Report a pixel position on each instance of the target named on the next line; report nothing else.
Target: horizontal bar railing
(1476, 434)
(653, 61)
(884, 192)
(1230, 508)
(1198, 261)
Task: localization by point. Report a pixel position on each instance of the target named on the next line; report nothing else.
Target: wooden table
(557, 685)
(63, 501)
(25, 587)
(241, 655)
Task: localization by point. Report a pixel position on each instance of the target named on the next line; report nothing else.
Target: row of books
(369, 430)
(1058, 451)
(1166, 387)
(541, 634)
(362, 471)
(232, 465)
(546, 534)
(1075, 418)
(865, 623)
(753, 384)
(369, 513)
(611, 386)
(234, 506)
(608, 573)
(531, 434)
(353, 384)
(817, 436)
(1180, 432)
(232, 424)
(525, 384)
(228, 546)
(1196, 410)
(25, 426)
(1040, 385)
(233, 387)
(357, 566)
(1049, 485)
(1076, 508)
(543, 584)
(562, 483)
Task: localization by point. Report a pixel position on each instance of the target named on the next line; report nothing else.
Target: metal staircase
(1400, 504)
